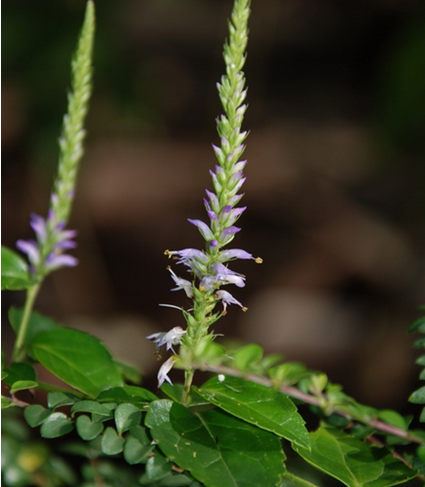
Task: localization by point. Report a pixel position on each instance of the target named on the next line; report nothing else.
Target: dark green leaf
(111, 442)
(135, 452)
(266, 408)
(90, 407)
(417, 326)
(22, 385)
(132, 394)
(127, 415)
(70, 354)
(158, 467)
(352, 461)
(36, 325)
(19, 371)
(57, 399)
(14, 271)
(218, 449)
(418, 397)
(247, 356)
(419, 343)
(140, 433)
(110, 406)
(87, 429)
(57, 424)
(36, 414)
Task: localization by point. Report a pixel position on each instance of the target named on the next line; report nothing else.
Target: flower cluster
(209, 268)
(46, 253)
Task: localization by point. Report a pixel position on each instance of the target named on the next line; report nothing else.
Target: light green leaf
(218, 449)
(418, 397)
(6, 402)
(111, 443)
(266, 408)
(247, 356)
(352, 461)
(78, 359)
(127, 416)
(36, 414)
(22, 385)
(14, 271)
(393, 417)
(37, 323)
(87, 429)
(57, 424)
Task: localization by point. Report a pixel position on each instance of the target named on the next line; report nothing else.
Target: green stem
(188, 377)
(23, 327)
(298, 480)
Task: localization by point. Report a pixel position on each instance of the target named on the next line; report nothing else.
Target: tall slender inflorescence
(208, 267)
(47, 253)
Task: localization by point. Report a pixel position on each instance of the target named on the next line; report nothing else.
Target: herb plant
(246, 425)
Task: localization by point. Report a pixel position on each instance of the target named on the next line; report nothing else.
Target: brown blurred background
(336, 173)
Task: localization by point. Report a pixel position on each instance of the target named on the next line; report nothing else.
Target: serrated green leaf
(87, 406)
(14, 271)
(22, 385)
(57, 399)
(70, 354)
(175, 392)
(111, 443)
(417, 326)
(266, 408)
(19, 371)
(57, 424)
(248, 355)
(127, 415)
(87, 429)
(218, 449)
(352, 461)
(135, 452)
(418, 397)
(37, 323)
(158, 467)
(131, 394)
(36, 414)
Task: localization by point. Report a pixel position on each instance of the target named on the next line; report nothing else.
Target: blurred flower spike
(47, 252)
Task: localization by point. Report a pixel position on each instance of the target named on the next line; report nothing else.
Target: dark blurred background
(336, 173)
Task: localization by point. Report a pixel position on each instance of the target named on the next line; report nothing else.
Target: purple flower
(163, 371)
(203, 228)
(46, 254)
(181, 284)
(170, 338)
(227, 299)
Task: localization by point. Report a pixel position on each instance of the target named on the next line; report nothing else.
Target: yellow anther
(258, 260)
(244, 309)
(168, 253)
